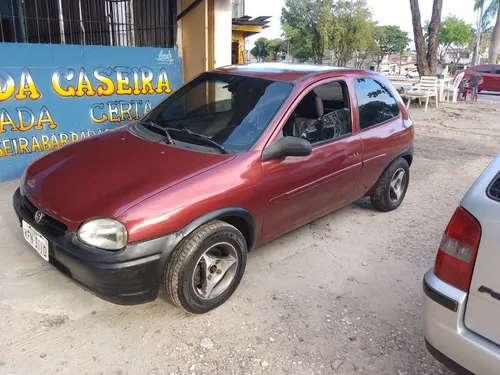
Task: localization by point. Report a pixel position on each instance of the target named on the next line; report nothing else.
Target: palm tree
(491, 11)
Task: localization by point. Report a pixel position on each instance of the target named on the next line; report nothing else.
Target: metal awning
(249, 21)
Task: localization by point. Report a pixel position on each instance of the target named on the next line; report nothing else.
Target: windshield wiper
(153, 124)
(201, 137)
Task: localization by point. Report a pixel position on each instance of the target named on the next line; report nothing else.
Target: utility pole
(475, 56)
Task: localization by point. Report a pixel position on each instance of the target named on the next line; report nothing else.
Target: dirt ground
(340, 295)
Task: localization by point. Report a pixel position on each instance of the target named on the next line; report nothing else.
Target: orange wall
(195, 41)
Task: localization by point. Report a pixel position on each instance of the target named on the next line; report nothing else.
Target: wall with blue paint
(52, 95)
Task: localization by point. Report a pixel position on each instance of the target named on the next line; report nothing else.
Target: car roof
(287, 72)
(479, 65)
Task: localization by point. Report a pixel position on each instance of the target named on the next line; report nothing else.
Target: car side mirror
(287, 146)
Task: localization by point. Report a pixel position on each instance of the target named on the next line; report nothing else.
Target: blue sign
(52, 95)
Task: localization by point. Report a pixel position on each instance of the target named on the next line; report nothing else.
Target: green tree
(482, 36)
(484, 43)
(370, 50)
(455, 35)
(306, 25)
(352, 29)
(261, 49)
(388, 40)
(427, 58)
(277, 48)
(377, 51)
(492, 11)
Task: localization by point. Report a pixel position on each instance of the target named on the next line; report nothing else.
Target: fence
(139, 23)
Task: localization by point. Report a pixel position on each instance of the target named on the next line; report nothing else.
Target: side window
(375, 103)
(484, 69)
(322, 115)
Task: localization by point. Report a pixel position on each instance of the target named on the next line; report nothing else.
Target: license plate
(36, 240)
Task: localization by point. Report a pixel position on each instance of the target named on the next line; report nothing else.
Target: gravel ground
(340, 295)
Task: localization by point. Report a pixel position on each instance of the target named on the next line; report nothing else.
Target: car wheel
(391, 188)
(206, 268)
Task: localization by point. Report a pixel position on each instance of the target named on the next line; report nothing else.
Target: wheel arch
(406, 154)
(240, 218)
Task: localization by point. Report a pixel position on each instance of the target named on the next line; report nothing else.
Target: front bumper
(447, 337)
(129, 276)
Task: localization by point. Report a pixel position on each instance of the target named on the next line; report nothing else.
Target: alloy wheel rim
(397, 185)
(215, 270)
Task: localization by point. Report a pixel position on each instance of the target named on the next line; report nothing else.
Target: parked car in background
(412, 74)
(234, 158)
(462, 291)
(490, 74)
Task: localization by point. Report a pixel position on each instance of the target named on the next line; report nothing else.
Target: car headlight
(105, 233)
(22, 183)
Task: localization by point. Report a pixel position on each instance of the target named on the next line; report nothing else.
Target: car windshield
(230, 110)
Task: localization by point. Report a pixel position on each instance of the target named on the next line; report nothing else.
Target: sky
(386, 12)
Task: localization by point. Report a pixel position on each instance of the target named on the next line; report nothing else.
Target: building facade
(74, 68)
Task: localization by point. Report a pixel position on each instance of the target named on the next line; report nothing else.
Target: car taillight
(458, 250)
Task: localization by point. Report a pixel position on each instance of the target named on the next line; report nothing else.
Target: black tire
(179, 278)
(383, 197)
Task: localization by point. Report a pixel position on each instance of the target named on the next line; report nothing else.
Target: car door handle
(353, 156)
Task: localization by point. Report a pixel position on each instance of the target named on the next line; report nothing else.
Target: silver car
(462, 290)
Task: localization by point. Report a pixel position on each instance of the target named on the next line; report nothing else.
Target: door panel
(496, 80)
(301, 189)
(488, 77)
(380, 145)
(487, 84)
(384, 131)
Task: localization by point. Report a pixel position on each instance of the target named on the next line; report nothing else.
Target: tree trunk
(435, 24)
(422, 65)
(495, 41)
(360, 64)
(345, 59)
(477, 44)
(444, 51)
(456, 55)
(427, 60)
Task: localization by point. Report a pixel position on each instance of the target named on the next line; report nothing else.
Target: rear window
(494, 189)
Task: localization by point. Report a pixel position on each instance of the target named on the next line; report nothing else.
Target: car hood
(105, 175)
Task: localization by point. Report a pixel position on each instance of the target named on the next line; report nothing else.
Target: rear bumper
(129, 276)
(447, 337)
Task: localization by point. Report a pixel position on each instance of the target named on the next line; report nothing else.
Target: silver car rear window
(493, 191)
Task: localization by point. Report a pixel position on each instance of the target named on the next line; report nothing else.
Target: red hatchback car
(234, 158)
(490, 74)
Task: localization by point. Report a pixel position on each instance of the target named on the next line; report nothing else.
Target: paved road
(490, 96)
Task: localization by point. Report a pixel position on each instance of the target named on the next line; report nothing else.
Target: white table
(442, 83)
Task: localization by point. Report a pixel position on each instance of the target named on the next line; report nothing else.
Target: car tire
(392, 186)
(206, 268)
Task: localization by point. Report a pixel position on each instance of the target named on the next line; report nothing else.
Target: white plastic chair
(453, 89)
(425, 89)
